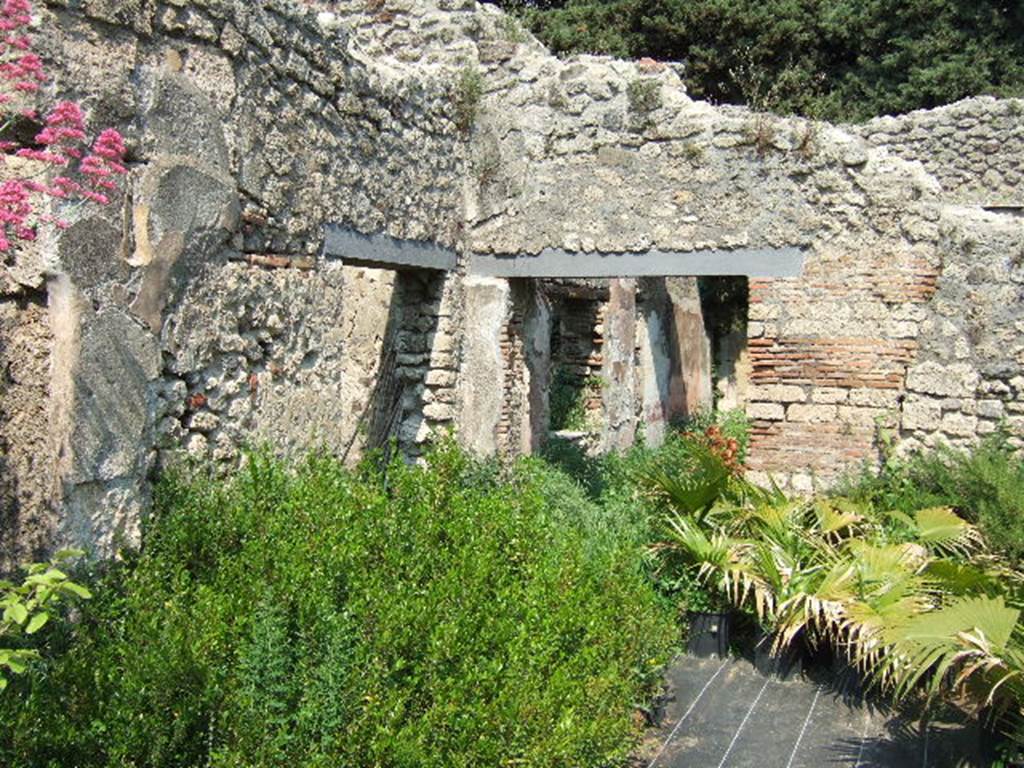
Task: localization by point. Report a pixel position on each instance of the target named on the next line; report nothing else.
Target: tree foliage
(842, 60)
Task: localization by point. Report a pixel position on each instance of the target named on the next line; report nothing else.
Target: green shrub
(568, 399)
(29, 605)
(985, 485)
(448, 615)
(625, 484)
(643, 95)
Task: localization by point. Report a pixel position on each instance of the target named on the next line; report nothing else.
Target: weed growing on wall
(466, 98)
(643, 97)
(456, 614)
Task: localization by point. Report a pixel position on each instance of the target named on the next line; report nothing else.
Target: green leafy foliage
(984, 485)
(844, 60)
(914, 600)
(642, 480)
(455, 614)
(569, 397)
(28, 606)
(466, 97)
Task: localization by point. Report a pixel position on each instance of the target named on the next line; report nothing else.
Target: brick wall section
(829, 354)
(578, 311)
(510, 425)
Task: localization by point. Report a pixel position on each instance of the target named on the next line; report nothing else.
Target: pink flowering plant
(75, 170)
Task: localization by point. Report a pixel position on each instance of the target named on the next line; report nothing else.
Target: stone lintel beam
(384, 251)
(554, 262)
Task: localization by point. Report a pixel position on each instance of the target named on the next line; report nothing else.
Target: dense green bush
(617, 475)
(846, 60)
(984, 485)
(626, 481)
(449, 615)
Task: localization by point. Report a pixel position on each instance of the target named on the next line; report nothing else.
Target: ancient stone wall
(602, 156)
(974, 148)
(965, 379)
(195, 313)
(198, 315)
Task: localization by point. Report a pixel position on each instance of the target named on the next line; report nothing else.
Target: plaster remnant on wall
(482, 379)
(618, 372)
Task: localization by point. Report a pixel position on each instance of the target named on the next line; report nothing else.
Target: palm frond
(970, 635)
(689, 489)
(943, 531)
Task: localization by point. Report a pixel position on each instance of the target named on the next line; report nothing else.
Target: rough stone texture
(196, 314)
(968, 377)
(974, 148)
(28, 518)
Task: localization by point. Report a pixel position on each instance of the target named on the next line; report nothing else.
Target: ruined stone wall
(195, 313)
(965, 379)
(594, 155)
(602, 156)
(974, 148)
(577, 349)
(599, 155)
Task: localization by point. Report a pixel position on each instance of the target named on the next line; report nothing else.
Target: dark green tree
(840, 60)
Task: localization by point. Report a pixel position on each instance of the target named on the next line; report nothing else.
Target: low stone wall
(974, 148)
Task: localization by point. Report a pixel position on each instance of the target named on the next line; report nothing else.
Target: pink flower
(15, 14)
(104, 161)
(66, 122)
(110, 145)
(88, 173)
(15, 209)
(42, 156)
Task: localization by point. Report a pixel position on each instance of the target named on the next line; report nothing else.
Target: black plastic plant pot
(709, 634)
